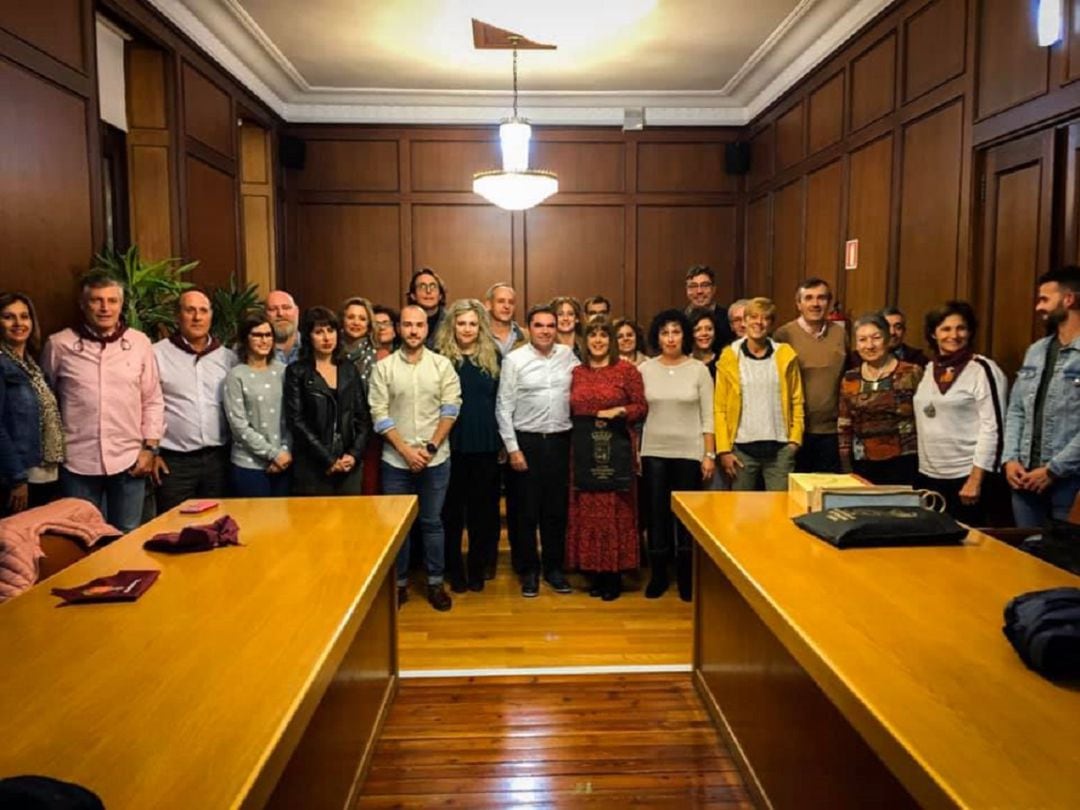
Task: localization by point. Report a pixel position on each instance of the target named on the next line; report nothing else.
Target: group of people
(456, 403)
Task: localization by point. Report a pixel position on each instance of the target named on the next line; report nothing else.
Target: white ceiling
(686, 62)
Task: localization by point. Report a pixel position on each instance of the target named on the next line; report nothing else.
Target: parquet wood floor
(552, 741)
(499, 629)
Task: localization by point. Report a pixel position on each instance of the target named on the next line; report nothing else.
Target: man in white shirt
(415, 396)
(533, 412)
(194, 459)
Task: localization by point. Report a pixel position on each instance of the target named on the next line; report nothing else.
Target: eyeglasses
(699, 285)
(429, 286)
(261, 335)
(383, 324)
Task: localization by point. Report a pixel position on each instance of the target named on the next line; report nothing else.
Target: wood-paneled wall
(185, 195)
(633, 212)
(873, 146)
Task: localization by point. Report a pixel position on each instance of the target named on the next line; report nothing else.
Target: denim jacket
(20, 424)
(1061, 411)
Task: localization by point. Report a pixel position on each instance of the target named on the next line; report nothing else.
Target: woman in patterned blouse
(877, 418)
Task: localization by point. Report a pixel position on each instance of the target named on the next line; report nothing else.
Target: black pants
(472, 500)
(973, 515)
(820, 453)
(513, 519)
(663, 476)
(542, 501)
(899, 471)
(198, 474)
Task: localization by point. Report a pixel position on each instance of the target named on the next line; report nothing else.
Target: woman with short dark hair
(959, 411)
(678, 449)
(259, 458)
(630, 340)
(703, 331)
(876, 421)
(384, 330)
(31, 432)
(326, 410)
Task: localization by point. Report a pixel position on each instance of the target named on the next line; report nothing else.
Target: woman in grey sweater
(260, 456)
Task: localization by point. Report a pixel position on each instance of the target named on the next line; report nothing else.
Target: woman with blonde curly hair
(472, 498)
(569, 323)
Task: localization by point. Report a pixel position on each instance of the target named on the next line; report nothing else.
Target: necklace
(881, 373)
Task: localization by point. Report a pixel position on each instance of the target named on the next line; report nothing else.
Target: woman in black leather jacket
(326, 410)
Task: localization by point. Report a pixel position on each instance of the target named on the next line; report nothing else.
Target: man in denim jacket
(1042, 430)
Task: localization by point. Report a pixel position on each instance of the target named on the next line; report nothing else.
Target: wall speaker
(292, 152)
(737, 157)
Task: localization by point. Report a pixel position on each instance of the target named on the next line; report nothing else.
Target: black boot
(596, 584)
(658, 580)
(612, 586)
(684, 573)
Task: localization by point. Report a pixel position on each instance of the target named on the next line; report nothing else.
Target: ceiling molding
(811, 32)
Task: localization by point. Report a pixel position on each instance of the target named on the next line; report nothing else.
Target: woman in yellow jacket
(758, 405)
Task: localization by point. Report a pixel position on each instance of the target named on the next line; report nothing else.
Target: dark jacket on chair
(325, 424)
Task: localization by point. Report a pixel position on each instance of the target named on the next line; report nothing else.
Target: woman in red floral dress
(602, 533)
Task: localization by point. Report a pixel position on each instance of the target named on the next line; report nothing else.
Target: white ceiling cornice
(812, 31)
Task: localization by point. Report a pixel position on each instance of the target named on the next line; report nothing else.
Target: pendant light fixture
(515, 187)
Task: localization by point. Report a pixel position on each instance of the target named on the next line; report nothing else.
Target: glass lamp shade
(514, 136)
(515, 191)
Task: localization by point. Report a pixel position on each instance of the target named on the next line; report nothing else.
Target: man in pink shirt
(106, 379)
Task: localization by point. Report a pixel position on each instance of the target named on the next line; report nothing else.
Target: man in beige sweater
(821, 345)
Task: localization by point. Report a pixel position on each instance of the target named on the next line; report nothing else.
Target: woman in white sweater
(959, 414)
(678, 448)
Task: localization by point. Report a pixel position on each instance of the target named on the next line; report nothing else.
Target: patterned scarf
(212, 345)
(947, 368)
(86, 333)
(52, 431)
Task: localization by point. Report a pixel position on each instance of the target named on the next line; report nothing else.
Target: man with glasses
(700, 294)
(427, 291)
(284, 316)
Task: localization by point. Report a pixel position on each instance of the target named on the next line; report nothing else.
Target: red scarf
(947, 368)
(86, 333)
(183, 345)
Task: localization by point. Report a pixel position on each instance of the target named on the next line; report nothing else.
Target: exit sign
(851, 254)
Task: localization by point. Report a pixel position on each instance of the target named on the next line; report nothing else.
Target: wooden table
(248, 676)
(873, 677)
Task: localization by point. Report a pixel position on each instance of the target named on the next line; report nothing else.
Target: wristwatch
(711, 456)
(153, 448)
(432, 448)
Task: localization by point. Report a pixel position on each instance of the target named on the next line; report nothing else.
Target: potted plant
(151, 289)
(231, 305)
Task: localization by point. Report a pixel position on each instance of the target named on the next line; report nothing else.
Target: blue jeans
(1032, 510)
(248, 483)
(118, 497)
(430, 486)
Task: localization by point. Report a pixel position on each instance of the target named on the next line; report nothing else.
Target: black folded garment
(46, 793)
(1044, 628)
(872, 526)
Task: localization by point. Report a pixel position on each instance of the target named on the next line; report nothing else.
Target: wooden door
(1016, 216)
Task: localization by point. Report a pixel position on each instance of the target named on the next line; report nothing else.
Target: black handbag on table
(603, 457)
(873, 526)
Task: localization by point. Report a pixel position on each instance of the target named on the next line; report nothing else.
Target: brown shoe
(439, 598)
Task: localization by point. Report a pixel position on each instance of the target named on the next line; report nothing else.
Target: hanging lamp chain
(515, 83)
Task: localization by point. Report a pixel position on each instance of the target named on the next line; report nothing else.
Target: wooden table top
(195, 695)
(908, 644)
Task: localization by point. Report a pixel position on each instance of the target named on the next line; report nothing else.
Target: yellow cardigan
(727, 399)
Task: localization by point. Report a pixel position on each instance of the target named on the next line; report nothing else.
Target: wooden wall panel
(574, 250)
(583, 166)
(45, 216)
(151, 189)
(761, 156)
(790, 138)
(212, 229)
(873, 83)
(340, 165)
(54, 27)
(824, 232)
(934, 46)
(257, 207)
(208, 114)
(468, 264)
(672, 238)
(1072, 41)
(758, 280)
(869, 196)
(930, 211)
(787, 252)
(684, 167)
(346, 250)
(1012, 67)
(449, 165)
(826, 117)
